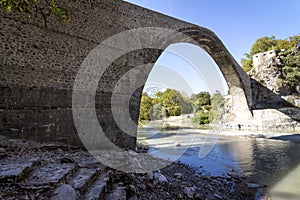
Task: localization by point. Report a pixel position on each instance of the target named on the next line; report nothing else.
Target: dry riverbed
(45, 171)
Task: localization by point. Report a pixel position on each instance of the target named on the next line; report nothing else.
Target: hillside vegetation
(284, 68)
(174, 103)
(268, 43)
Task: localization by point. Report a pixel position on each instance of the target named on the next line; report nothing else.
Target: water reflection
(265, 161)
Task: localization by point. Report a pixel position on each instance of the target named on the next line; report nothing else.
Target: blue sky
(238, 23)
(187, 68)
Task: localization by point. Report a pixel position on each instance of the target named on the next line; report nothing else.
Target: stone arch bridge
(39, 66)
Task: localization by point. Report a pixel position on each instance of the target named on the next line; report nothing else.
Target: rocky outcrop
(269, 71)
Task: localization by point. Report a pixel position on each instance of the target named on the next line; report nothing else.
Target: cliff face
(279, 72)
(275, 84)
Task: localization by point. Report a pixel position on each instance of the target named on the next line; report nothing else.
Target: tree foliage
(145, 106)
(164, 104)
(157, 112)
(170, 102)
(211, 108)
(186, 103)
(202, 99)
(291, 69)
(32, 8)
(217, 107)
(173, 103)
(265, 44)
(201, 117)
(247, 62)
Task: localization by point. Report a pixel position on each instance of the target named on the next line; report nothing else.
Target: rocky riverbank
(287, 120)
(45, 171)
(274, 134)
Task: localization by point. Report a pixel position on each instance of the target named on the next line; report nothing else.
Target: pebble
(149, 176)
(198, 196)
(2, 150)
(132, 189)
(142, 186)
(218, 196)
(66, 160)
(178, 175)
(254, 185)
(215, 182)
(160, 178)
(207, 177)
(190, 191)
(150, 186)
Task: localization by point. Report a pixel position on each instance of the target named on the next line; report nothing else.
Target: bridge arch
(237, 79)
(121, 72)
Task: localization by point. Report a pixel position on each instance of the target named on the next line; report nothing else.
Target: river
(270, 162)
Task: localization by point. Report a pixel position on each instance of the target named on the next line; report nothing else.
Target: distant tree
(265, 44)
(202, 99)
(291, 70)
(145, 106)
(171, 102)
(186, 107)
(186, 103)
(211, 109)
(247, 62)
(164, 104)
(283, 44)
(157, 112)
(217, 107)
(201, 117)
(294, 40)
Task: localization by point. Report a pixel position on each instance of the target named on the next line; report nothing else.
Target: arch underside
(238, 81)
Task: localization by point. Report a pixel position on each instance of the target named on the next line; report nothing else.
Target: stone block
(48, 175)
(14, 171)
(83, 178)
(98, 188)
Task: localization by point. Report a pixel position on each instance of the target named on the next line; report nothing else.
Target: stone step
(83, 179)
(64, 192)
(13, 171)
(49, 175)
(98, 188)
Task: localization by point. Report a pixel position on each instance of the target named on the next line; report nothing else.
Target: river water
(270, 162)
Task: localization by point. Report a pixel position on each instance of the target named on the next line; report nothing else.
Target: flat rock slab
(98, 188)
(50, 174)
(64, 192)
(14, 171)
(83, 178)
